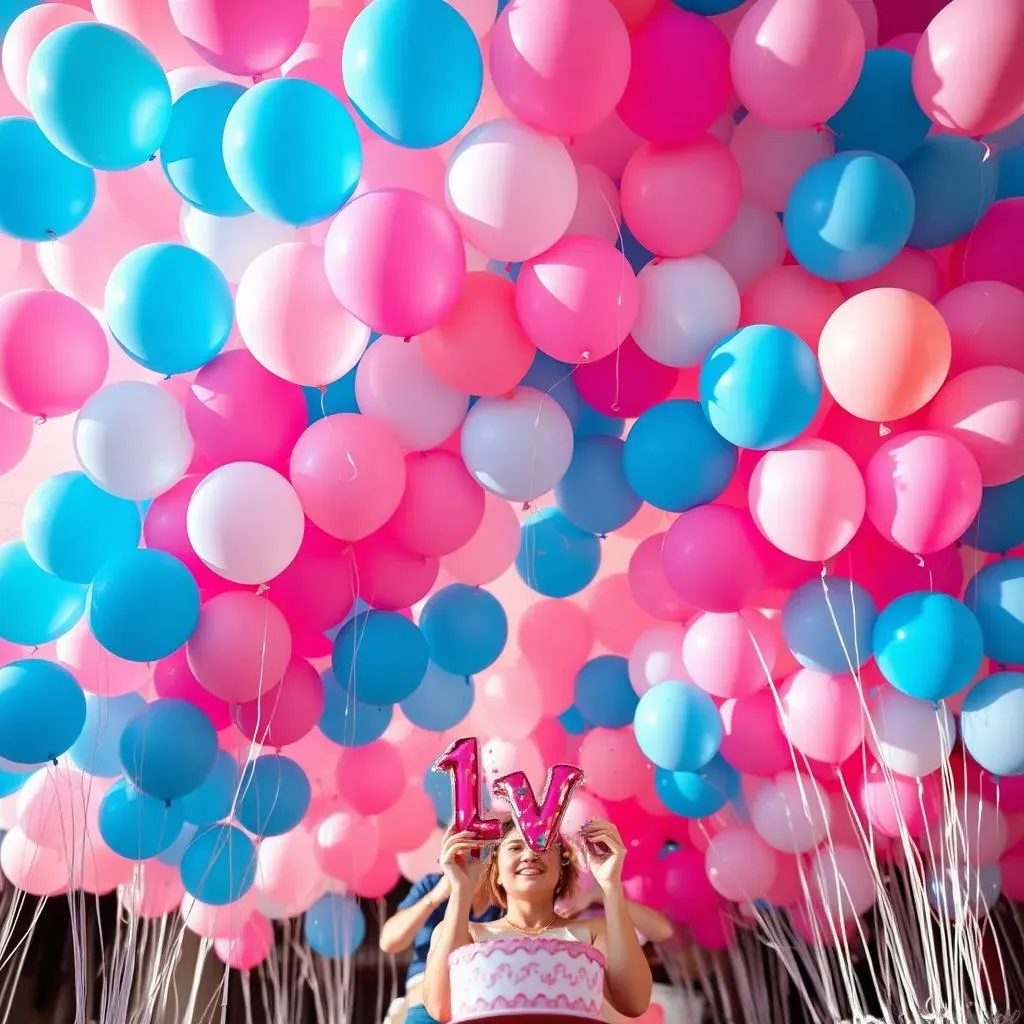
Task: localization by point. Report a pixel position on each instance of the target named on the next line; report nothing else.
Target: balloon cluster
(692, 328)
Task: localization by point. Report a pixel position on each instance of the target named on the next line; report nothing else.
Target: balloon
(250, 947)
(912, 270)
(827, 624)
(993, 252)
(559, 381)
(396, 261)
(99, 96)
(214, 798)
(389, 577)
(997, 527)
(594, 494)
(698, 794)
(275, 795)
(440, 701)
(512, 190)
(132, 440)
(382, 656)
(292, 151)
(842, 885)
(754, 242)
(603, 693)
(465, 627)
(350, 723)
(43, 711)
(678, 82)
(882, 114)
(36, 870)
(989, 721)
(219, 865)
(650, 587)
(795, 63)
(980, 316)
(334, 926)
(15, 438)
(730, 655)
(35, 607)
(97, 750)
(740, 865)
(679, 200)
(137, 826)
(821, 715)
(884, 354)
(29, 26)
(677, 727)
(790, 813)
(957, 891)
(625, 383)
(848, 216)
(957, 90)
(909, 736)
(242, 38)
(923, 490)
(43, 194)
(996, 596)
(288, 712)
(556, 558)
(492, 548)
(346, 845)
(233, 243)
(597, 206)
(372, 778)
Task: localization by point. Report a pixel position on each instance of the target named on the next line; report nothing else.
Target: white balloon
(791, 813)
(753, 243)
(686, 307)
(132, 440)
(245, 522)
(517, 446)
(841, 882)
(395, 385)
(910, 736)
(233, 242)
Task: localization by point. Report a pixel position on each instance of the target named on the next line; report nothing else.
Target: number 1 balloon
(462, 761)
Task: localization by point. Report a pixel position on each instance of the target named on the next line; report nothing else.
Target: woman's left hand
(605, 852)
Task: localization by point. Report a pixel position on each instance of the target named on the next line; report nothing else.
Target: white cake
(522, 975)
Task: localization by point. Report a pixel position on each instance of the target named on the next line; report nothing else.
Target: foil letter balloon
(462, 761)
(539, 825)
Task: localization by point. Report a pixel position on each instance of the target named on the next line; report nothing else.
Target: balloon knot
(39, 421)
(988, 151)
(508, 267)
(920, 561)
(883, 430)
(656, 261)
(54, 762)
(586, 356)
(407, 339)
(822, 128)
(152, 158)
(615, 406)
(322, 389)
(262, 589)
(168, 376)
(959, 544)
(257, 78)
(51, 234)
(527, 506)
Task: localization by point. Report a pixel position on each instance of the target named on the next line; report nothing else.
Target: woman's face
(521, 871)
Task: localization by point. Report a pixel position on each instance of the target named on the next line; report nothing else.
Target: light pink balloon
(608, 147)
(983, 318)
(216, 922)
(250, 947)
(286, 713)
(821, 715)
(500, 757)
(753, 244)
(16, 437)
(347, 846)
(27, 31)
(841, 882)
(923, 490)
(598, 212)
(491, 549)
(508, 701)
(967, 71)
(396, 261)
(808, 499)
(96, 669)
(389, 576)
(173, 680)
(790, 297)
(752, 739)
(316, 59)
(614, 766)
(38, 870)
(730, 655)
(560, 65)
(895, 804)
(349, 473)
(57, 803)
(617, 619)
(912, 270)
(95, 868)
(53, 353)
(408, 823)
(677, 201)
(650, 586)
(154, 890)
(287, 872)
(146, 197)
(387, 166)
(791, 813)
(151, 24)
(423, 860)
(984, 408)
(795, 62)
(291, 321)
(241, 647)
(370, 778)
(740, 864)
(657, 657)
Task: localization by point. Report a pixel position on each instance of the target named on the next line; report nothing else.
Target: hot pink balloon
(396, 261)
(287, 712)
(560, 65)
(795, 62)
(740, 864)
(371, 778)
(821, 715)
(96, 669)
(53, 353)
(650, 586)
(678, 78)
(250, 947)
(923, 490)
(730, 655)
(346, 846)
(38, 870)
(173, 680)
(608, 147)
(679, 200)
(241, 647)
(752, 739)
(26, 32)
(790, 297)
(994, 250)
(491, 549)
(626, 383)
(983, 318)
(388, 575)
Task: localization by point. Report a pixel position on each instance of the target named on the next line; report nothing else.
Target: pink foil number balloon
(462, 761)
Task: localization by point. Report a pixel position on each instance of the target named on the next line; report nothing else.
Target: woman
(528, 885)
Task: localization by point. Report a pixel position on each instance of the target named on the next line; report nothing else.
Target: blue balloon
(675, 460)
(42, 711)
(708, 8)
(11, 782)
(882, 114)
(136, 826)
(143, 606)
(275, 795)
(219, 865)
(43, 194)
(335, 926)
(555, 379)
(698, 794)
(213, 798)
(810, 619)
(348, 722)
(636, 255)
(292, 151)
(573, 722)
(760, 387)
(999, 526)
(192, 154)
(99, 96)
(958, 891)
(992, 723)
(439, 788)
(1011, 174)
(466, 629)
(97, 751)
(71, 527)
(954, 185)
(169, 307)
(677, 726)
(594, 494)
(595, 424)
(996, 595)
(604, 696)
(169, 749)
(928, 645)
(383, 654)
(555, 558)
(440, 702)
(35, 607)
(413, 71)
(849, 216)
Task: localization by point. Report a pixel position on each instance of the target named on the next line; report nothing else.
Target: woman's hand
(462, 861)
(605, 853)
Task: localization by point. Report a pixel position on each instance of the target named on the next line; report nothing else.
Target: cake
(521, 975)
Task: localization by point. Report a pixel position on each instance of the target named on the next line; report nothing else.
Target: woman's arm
(628, 980)
(400, 929)
(451, 934)
(654, 926)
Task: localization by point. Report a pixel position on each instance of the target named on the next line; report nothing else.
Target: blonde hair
(568, 874)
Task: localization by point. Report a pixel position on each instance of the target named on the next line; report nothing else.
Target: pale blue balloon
(97, 751)
(992, 723)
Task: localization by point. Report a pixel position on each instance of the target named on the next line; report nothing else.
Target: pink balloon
(53, 353)
(145, 196)
(578, 300)
(241, 647)
(508, 702)
(347, 846)
(612, 763)
(423, 860)
(984, 408)
(923, 490)
(56, 805)
(38, 870)
(740, 864)
(912, 270)
(608, 147)
(287, 875)
(712, 558)
(994, 250)
(407, 823)
(96, 869)
(754, 243)
(808, 499)
(560, 65)
(154, 890)
(396, 261)
(657, 657)
(555, 635)
(650, 586)
(386, 166)
(216, 922)
(795, 62)
(15, 438)
(388, 575)
(617, 619)
(790, 297)
(730, 655)
(860, 439)
(371, 778)
(95, 668)
(895, 804)
(250, 947)
(752, 738)
(317, 57)
(678, 78)
(26, 32)
(173, 680)
(983, 318)
(349, 473)
(821, 715)
(967, 71)
(380, 880)
(905, 41)
(287, 712)
(625, 383)
(598, 212)
(677, 201)
(689, 894)
(151, 24)
(242, 37)
(491, 549)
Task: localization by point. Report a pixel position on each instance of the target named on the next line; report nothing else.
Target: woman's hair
(568, 873)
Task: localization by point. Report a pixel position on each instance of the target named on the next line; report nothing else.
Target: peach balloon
(612, 763)
(790, 297)
(555, 635)
(884, 354)
(984, 319)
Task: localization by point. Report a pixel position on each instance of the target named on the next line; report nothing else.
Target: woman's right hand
(462, 861)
